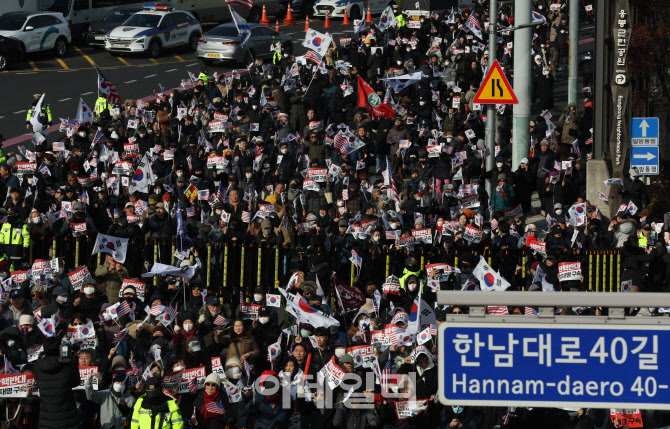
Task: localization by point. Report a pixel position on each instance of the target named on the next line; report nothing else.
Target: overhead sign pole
(491, 110)
(609, 361)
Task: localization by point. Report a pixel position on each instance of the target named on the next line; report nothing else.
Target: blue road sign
(644, 159)
(644, 131)
(554, 365)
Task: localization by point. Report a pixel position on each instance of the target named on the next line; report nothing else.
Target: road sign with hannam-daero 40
(554, 365)
(644, 159)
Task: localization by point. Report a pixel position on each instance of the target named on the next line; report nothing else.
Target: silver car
(222, 43)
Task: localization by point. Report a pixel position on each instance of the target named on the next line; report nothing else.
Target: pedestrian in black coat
(56, 380)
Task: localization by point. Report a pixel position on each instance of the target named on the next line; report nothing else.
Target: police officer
(155, 410)
(100, 105)
(44, 116)
(15, 237)
(203, 76)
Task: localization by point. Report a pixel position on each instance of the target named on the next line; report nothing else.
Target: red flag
(372, 102)
(351, 297)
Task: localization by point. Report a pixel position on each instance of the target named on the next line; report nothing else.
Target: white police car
(356, 9)
(156, 27)
(37, 31)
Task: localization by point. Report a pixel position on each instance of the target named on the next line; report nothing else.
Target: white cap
(524, 161)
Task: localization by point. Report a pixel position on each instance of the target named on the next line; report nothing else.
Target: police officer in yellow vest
(412, 268)
(399, 16)
(204, 76)
(155, 410)
(277, 57)
(101, 104)
(15, 237)
(44, 115)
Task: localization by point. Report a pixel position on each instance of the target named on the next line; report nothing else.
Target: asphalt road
(67, 80)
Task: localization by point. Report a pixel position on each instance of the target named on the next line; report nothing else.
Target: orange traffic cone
(368, 17)
(264, 18)
(277, 27)
(289, 16)
(345, 20)
(327, 23)
(306, 24)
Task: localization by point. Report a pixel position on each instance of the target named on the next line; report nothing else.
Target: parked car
(37, 31)
(222, 43)
(356, 9)
(97, 32)
(10, 52)
(153, 29)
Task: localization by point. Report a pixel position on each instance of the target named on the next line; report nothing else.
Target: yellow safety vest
(100, 105)
(401, 20)
(142, 417)
(276, 57)
(14, 240)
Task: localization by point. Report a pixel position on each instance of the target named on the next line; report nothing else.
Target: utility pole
(522, 84)
(574, 51)
(491, 108)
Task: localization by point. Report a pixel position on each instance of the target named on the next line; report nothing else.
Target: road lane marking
(64, 99)
(191, 65)
(62, 63)
(33, 65)
(170, 71)
(178, 57)
(85, 56)
(131, 81)
(87, 93)
(150, 76)
(123, 61)
(153, 61)
(19, 112)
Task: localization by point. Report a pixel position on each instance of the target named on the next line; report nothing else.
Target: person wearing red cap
(265, 409)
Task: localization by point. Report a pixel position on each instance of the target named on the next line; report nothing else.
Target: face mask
(177, 368)
(421, 103)
(258, 297)
(82, 134)
(339, 352)
(487, 231)
(394, 226)
(394, 389)
(411, 287)
(247, 175)
(475, 188)
(457, 410)
(35, 220)
(632, 177)
(89, 290)
(142, 135)
(283, 151)
(266, 231)
(558, 212)
(107, 317)
(408, 49)
(118, 387)
(499, 164)
(399, 63)
(61, 299)
(304, 333)
(194, 347)
(266, 168)
(255, 107)
(263, 320)
(233, 370)
(376, 238)
(188, 327)
(340, 204)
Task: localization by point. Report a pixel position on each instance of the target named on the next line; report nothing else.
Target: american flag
(220, 320)
(386, 376)
(590, 140)
(219, 192)
(575, 147)
(124, 308)
(433, 329)
(530, 311)
(156, 309)
(247, 369)
(119, 336)
(246, 217)
(499, 310)
(107, 88)
(59, 146)
(215, 408)
(190, 212)
(135, 370)
(313, 56)
(392, 187)
(193, 385)
(494, 224)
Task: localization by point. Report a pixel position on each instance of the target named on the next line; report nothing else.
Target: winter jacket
(267, 415)
(113, 279)
(58, 408)
(350, 418)
(110, 407)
